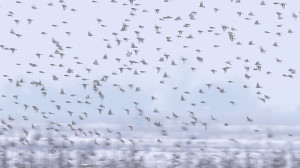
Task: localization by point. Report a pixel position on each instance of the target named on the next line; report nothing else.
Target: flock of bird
(75, 67)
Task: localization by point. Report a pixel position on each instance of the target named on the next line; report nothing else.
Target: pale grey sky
(283, 108)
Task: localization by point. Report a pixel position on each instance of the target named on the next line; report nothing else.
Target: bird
(249, 119)
(204, 124)
(212, 117)
(160, 71)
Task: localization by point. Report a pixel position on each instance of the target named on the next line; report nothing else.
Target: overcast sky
(282, 109)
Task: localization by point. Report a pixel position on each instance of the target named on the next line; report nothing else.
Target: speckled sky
(156, 59)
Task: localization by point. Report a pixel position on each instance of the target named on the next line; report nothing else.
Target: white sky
(282, 109)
